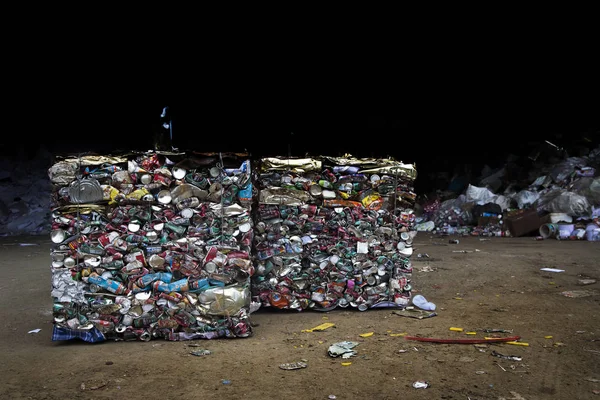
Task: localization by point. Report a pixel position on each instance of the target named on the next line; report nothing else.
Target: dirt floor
(496, 284)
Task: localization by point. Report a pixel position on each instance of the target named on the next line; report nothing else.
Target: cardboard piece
(524, 222)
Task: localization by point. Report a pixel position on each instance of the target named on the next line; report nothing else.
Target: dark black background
(416, 134)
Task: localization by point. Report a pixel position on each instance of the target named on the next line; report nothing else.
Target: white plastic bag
(479, 195)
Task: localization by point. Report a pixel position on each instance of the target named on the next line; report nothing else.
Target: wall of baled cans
(183, 246)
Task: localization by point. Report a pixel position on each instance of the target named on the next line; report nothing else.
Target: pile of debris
(565, 192)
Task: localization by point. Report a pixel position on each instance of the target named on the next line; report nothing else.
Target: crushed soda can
(199, 353)
(293, 365)
(420, 384)
(512, 358)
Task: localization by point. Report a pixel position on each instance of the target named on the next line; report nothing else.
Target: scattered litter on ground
(414, 313)
(464, 341)
(343, 349)
(321, 327)
(579, 293)
(513, 358)
(495, 330)
(100, 385)
(584, 282)
(552, 270)
(518, 343)
(293, 365)
(203, 352)
(421, 385)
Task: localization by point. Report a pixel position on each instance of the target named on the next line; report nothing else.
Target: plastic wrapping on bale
(333, 232)
(151, 245)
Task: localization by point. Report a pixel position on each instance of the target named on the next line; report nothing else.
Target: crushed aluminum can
(420, 384)
(343, 349)
(293, 365)
(512, 358)
(200, 352)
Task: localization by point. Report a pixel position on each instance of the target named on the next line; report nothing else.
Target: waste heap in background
(24, 192)
(333, 232)
(564, 192)
(151, 245)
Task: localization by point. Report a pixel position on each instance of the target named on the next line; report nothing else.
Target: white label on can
(362, 247)
(328, 194)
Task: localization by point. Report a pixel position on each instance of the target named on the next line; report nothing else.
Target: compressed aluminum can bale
(152, 245)
(333, 232)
